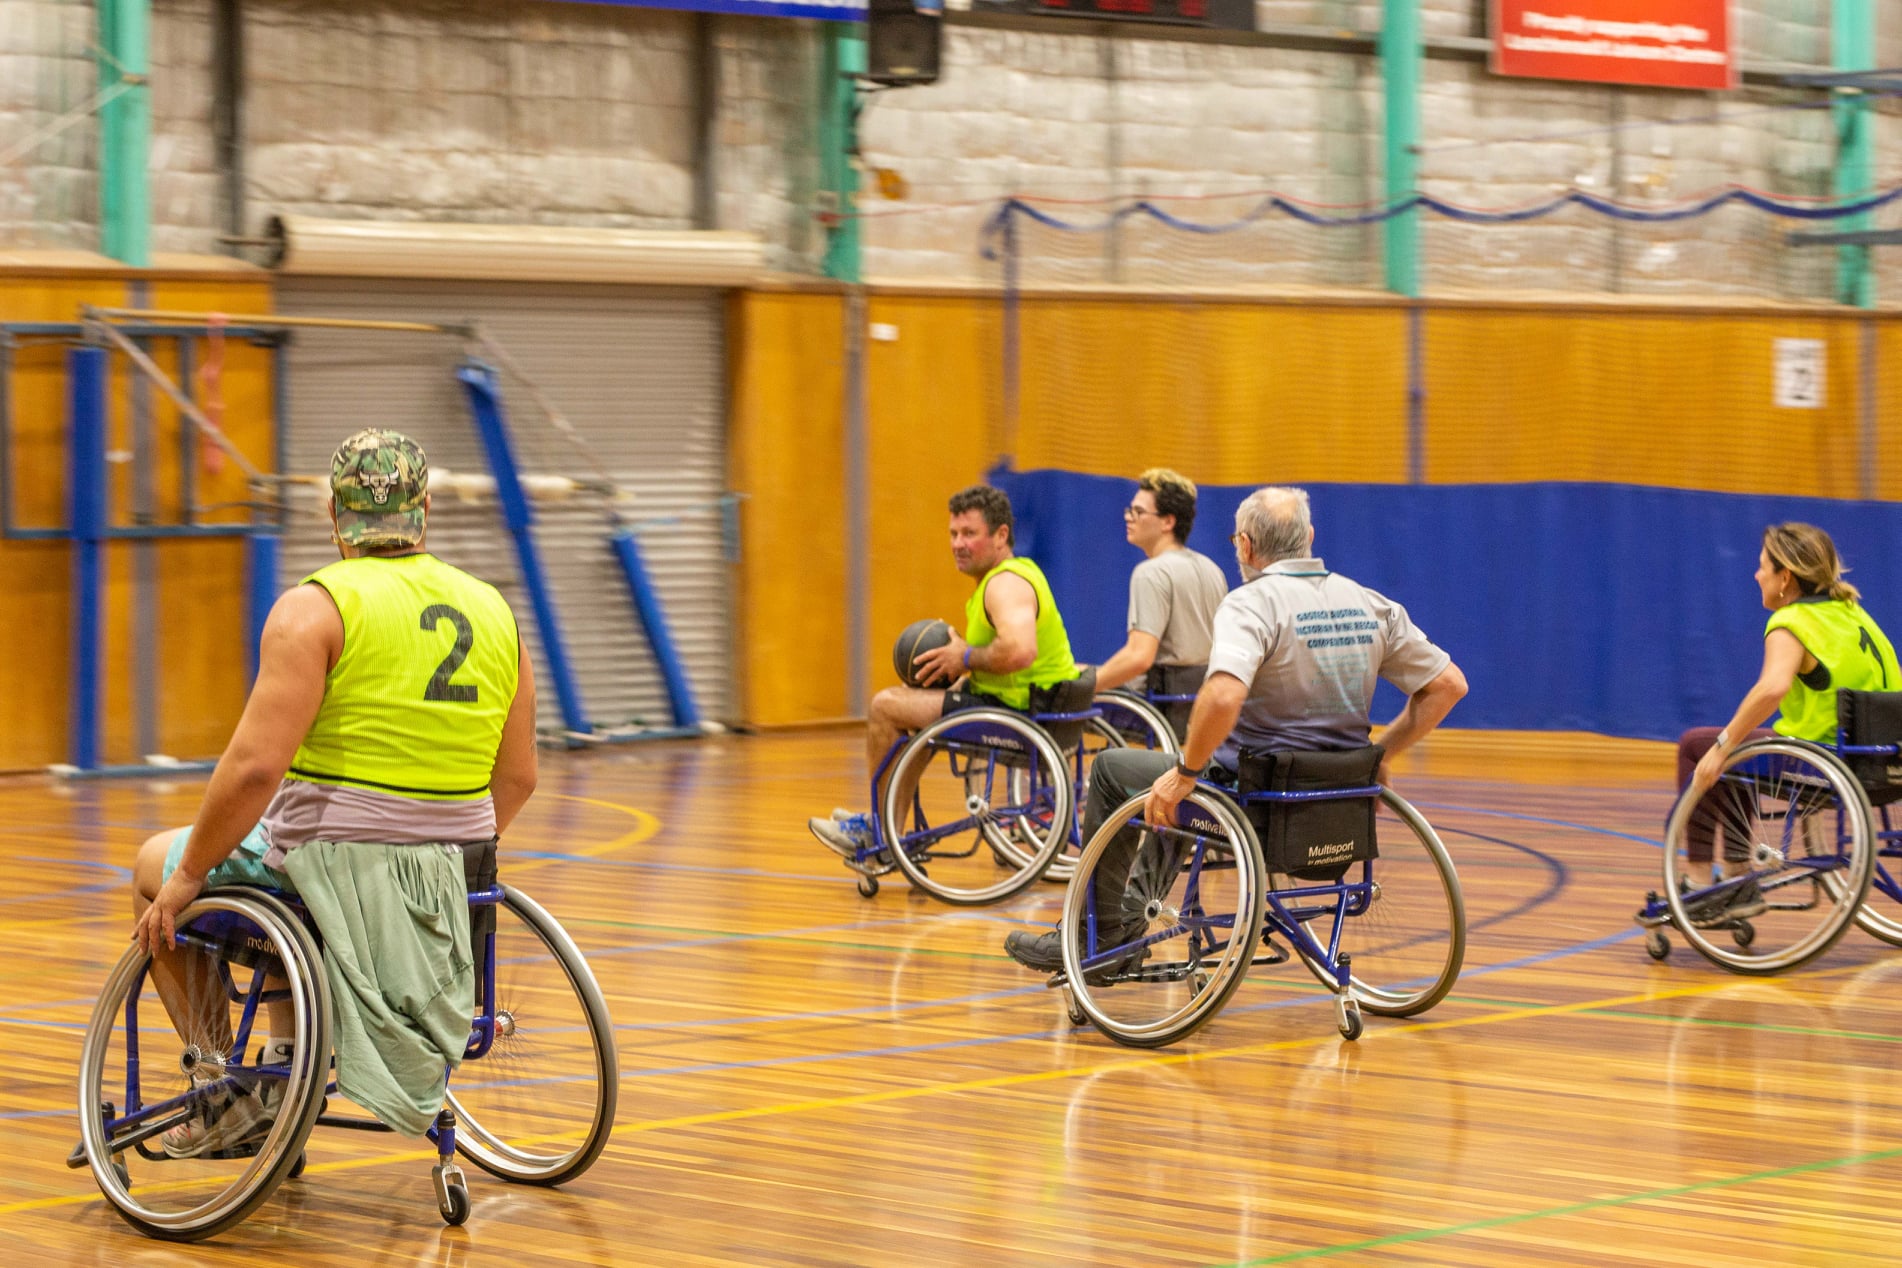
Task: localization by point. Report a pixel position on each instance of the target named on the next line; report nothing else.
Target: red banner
(1657, 43)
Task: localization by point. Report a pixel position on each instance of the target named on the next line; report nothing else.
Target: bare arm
(302, 639)
(1783, 658)
(1130, 662)
(1217, 707)
(1012, 606)
(513, 779)
(1425, 709)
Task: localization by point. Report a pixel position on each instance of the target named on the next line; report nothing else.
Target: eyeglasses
(1134, 512)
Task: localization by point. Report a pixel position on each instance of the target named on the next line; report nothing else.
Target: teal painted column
(844, 56)
(1852, 44)
(1401, 56)
(125, 132)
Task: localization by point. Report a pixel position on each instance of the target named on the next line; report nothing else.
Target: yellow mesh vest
(1852, 654)
(416, 703)
(1054, 663)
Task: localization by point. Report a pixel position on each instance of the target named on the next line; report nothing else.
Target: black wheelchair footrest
(1269, 953)
(77, 1159)
(349, 1123)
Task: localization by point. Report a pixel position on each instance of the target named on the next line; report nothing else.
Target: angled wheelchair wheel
(1880, 914)
(537, 1107)
(245, 952)
(1401, 917)
(1152, 969)
(1140, 723)
(1019, 840)
(977, 805)
(1794, 824)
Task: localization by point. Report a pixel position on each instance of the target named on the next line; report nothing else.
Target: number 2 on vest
(440, 688)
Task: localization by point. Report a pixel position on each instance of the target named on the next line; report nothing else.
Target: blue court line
(679, 867)
(1557, 823)
(10, 1115)
(721, 939)
(867, 1010)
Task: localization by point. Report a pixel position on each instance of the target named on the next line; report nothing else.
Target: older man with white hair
(1296, 654)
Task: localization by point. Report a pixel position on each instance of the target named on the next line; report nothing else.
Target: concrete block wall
(766, 149)
(49, 193)
(187, 193)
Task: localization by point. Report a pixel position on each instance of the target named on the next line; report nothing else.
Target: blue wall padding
(1579, 607)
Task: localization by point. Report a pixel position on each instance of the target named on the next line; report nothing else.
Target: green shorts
(245, 866)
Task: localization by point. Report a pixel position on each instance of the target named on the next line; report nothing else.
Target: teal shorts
(245, 866)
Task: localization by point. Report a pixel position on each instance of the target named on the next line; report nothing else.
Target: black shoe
(1043, 952)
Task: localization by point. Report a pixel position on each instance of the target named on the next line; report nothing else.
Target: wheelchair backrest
(1074, 696)
(1871, 719)
(1302, 834)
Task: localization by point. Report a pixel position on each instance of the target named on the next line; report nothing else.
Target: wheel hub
(201, 1065)
(504, 1023)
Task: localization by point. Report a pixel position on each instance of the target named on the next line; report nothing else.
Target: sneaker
(1739, 902)
(847, 838)
(235, 1119)
(1043, 952)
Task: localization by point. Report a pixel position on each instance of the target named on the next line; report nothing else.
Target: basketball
(919, 637)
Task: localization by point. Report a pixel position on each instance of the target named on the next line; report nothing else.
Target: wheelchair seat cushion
(1869, 718)
(1312, 840)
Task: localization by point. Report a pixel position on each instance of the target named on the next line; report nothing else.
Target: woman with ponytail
(1817, 642)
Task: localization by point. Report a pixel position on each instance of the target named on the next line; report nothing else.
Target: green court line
(1576, 1208)
(1744, 1025)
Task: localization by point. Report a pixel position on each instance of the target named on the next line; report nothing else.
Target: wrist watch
(1188, 772)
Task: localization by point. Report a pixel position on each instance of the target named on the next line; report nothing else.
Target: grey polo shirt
(1173, 598)
(1310, 644)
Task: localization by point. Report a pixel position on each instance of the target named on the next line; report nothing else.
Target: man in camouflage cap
(393, 715)
(379, 490)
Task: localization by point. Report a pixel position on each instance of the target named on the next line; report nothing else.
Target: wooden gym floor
(812, 1078)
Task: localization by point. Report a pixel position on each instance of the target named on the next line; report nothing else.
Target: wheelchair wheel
(1019, 840)
(976, 806)
(1880, 914)
(1190, 920)
(1796, 826)
(538, 1106)
(1404, 928)
(1140, 723)
(138, 1080)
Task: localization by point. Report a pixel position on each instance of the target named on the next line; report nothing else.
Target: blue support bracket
(484, 393)
(260, 575)
(660, 635)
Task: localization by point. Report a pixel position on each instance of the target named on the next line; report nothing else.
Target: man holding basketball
(1013, 650)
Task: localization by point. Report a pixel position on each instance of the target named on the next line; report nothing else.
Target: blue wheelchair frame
(216, 935)
(1285, 911)
(970, 743)
(1656, 912)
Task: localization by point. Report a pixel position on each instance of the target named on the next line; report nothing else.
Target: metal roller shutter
(638, 371)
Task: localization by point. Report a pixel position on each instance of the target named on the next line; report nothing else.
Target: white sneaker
(235, 1118)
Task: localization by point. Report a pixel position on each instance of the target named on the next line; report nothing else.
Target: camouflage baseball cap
(379, 479)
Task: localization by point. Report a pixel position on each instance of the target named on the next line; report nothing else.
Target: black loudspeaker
(902, 44)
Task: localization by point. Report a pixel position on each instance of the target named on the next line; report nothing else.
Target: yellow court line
(646, 825)
(1012, 1080)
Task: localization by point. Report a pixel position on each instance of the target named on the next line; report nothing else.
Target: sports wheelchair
(1802, 821)
(980, 804)
(1305, 848)
(533, 1104)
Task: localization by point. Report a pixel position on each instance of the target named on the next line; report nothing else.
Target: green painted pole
(844, 56)
(1852, 46)
(125, 132)
(1401, 56)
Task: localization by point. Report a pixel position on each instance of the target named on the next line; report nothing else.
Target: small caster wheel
(1349, 1017)
(452, 1194)
(125, 1177)
(868, 887)
(1073, 1010)
(1743, 933)
(1198, 982)
(1656, 945)
(297, 1168)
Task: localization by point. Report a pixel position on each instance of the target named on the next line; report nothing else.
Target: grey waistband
(302, 812)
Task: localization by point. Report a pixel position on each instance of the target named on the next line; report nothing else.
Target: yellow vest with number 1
(416, 702)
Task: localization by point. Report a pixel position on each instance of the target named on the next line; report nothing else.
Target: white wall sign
(1802, 370)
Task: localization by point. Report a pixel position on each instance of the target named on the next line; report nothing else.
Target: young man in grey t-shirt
(1173, 595)
(1296, 653)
